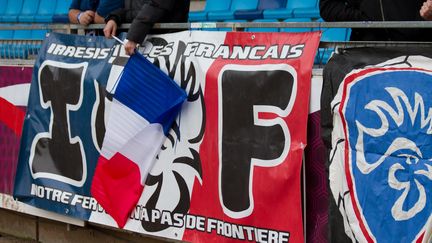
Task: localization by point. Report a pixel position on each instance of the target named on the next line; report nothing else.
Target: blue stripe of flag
(148, 91)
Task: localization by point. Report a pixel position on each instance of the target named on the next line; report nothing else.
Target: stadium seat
(272, 4)
(296, 29)
(258, 13)
(45, 11)
(295, 8)
(334, 34)
(20, 49)
(235, 6)
(330, 35)
(306, 9)
(61, 11)
(211, 6)
(3, 4)
(22, 35)
(13, 9)
(28, 11)
(5, 35)
(270, 29)
(37, 35)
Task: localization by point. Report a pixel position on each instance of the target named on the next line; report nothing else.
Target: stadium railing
(26, 47)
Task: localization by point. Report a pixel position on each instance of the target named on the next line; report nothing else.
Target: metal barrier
(28, 49)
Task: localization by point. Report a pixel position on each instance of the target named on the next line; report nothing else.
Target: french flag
(146, 102)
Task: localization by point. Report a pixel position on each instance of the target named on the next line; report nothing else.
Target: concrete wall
(17, 227)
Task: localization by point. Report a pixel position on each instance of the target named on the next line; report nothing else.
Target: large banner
(230, 166)
(381, 169)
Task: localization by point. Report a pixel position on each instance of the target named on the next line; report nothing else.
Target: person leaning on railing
(87, 12)
(380, 10)
(143, 14)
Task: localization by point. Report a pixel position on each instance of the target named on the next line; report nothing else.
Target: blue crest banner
(381, 157)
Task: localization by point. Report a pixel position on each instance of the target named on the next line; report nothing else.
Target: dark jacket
(144, 13)
(377, 10)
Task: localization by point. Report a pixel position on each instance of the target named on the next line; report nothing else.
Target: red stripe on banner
(277, 209)
(11, 116)
(12, 75)
(110, 180)
(420, 239)
(348, 80)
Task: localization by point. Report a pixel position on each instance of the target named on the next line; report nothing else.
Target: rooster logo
(388, 115)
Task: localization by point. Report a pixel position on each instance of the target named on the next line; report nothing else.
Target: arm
(142, 24)
(338, 10)
(113, 20)
(76, 16)
(99, 19)
(73, 13)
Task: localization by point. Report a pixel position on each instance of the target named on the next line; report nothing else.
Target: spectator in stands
(143, 14)
(87, 12)
(382, 10)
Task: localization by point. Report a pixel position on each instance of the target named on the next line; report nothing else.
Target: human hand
(86, 17)
(110, 28)
(426, 10)
(130, 47)
(99, 19)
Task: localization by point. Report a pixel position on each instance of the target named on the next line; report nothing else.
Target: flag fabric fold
(146, 102)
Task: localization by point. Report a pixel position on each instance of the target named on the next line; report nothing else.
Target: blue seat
(330, 35)
(22, 35)
(272, 4)
(235, 6)
(211, 6)
(5, 35)
(258, 13)
(37, 35)
(61, 11)
(45, 11)
(296, 29)
(20, 49)
(3, 4)
(334, 34)
(295, 8)
(62, 6)
(306, 9)
(12, 11)
(270, 29)
(28, 11)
